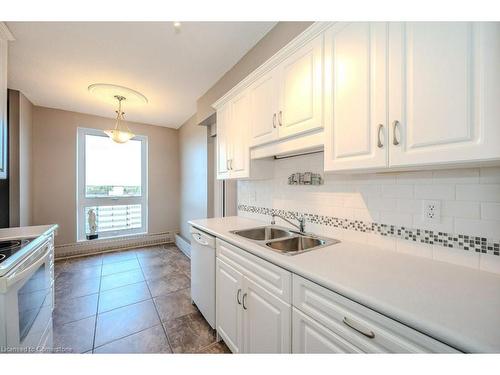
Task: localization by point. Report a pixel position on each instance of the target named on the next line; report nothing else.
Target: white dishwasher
(203, 273)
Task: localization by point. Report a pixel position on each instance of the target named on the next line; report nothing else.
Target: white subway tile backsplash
(396, 218)
(419, 177)
(463, 209)
(445, 224)
(481, 192)
(397, 191)
(470, 205)
(381, 204)
(490, 211)
(366, 215)
(482, 228)
(410, 206)
(456, 176)
(435, 191)
(489, 175)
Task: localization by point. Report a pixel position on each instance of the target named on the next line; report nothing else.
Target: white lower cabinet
(311, 337)
(228, 305)
(263, 308)
(361, 327)
(251, 316)
(266, 321)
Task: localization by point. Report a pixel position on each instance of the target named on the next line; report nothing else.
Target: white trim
(113, 244)
(306, 36)
(312, 141)
(183, 245)
(82, 201)
(5, 33)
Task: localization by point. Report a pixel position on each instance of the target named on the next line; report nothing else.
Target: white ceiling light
(107, 92)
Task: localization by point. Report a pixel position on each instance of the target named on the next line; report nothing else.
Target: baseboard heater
(112, 244)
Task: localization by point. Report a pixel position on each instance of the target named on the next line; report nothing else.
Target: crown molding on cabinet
(306, 36)
(5, 32)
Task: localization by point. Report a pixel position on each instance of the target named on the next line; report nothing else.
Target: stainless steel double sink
(284, 240)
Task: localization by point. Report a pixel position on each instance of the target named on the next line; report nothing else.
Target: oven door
(29, 300)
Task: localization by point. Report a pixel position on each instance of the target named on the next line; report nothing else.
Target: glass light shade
(119, 136)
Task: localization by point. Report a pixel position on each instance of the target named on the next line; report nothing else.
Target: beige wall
(54, 170)
(196, 200)
(25, 161)
(193, 173)
(20, 159)
(272, 42)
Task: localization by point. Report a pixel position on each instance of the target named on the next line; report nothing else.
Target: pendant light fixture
(108, 92)
(121, 133)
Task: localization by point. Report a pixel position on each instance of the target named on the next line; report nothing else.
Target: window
(112, 181)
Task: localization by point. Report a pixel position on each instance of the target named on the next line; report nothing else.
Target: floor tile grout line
(145, 280)
(124, 337)
(97, 309)
(96, 312)
(157, 312)
(135, 303)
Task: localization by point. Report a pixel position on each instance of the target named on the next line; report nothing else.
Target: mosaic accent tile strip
(457, 241)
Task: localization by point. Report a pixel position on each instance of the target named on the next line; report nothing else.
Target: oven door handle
(16, 276)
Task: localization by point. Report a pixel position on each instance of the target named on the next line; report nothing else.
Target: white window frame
(82, 201)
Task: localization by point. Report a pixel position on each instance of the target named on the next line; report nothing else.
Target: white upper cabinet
(410, 95)
(444, 80)
(263, 109)
(239, 153)
(301, 90)
(355, 96)
(223, 122)
(287, 100)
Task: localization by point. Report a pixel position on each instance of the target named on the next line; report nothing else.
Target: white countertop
(38, 233)
(26, 232)
(456, 305)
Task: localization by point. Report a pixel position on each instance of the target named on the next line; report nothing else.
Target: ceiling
(53, 63)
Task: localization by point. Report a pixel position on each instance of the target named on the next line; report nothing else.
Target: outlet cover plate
(432, 211)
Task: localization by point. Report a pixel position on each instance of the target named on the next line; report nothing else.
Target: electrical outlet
(432, 211)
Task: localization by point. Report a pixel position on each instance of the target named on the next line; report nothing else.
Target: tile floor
(134, 301)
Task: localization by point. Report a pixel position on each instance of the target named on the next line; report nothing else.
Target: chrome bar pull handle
(238, 297)
(395, 126)
(243, 301)
(274, 120)
(356, 326)
(379, 139)
(280, 118)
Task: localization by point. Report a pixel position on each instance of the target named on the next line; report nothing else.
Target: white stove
(26, 293)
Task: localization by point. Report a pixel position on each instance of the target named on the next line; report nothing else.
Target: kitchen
(250, 187)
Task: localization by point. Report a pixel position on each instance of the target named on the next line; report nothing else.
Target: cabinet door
(355, 96)
(223, 123)
(264, 109)
(3, 108)
(239, 152)
(301, 90)
(229, 286)
(312, 337)
(266, 321)
(443, 78)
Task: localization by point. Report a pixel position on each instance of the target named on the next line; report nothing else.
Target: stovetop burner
(10, 247)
